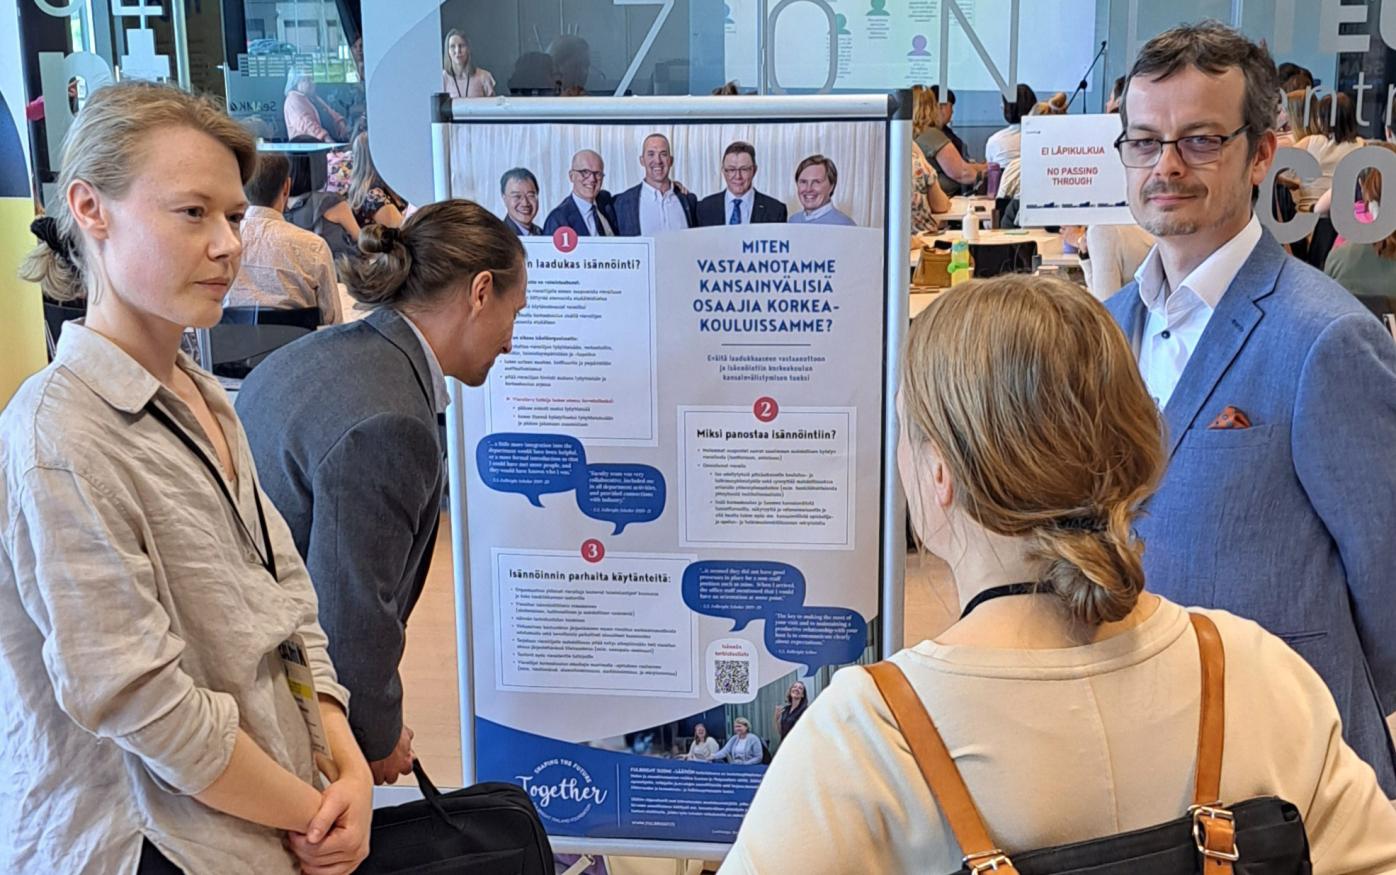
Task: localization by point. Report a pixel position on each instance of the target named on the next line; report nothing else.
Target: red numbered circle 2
(593, 550)
(565, 239)
(766, 409)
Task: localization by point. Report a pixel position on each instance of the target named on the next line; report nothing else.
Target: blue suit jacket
(627, 209)
(1291, 522)
(567, 214)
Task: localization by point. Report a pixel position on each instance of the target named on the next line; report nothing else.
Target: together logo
(562, 790)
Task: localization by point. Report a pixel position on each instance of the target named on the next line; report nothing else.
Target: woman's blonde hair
(1302, 108)
(104, 148)
(1031, 397)
(446, 65)
(925, 110)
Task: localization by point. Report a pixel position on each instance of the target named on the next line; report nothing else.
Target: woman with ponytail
(1066, 693)
(343, 425)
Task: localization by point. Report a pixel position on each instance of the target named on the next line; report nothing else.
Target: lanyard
(266, 556)
(995, 592)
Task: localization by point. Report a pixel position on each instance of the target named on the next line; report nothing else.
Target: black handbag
(1262, 836)
(487, 829)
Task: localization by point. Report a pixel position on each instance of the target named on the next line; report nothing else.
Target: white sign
(1071, 173)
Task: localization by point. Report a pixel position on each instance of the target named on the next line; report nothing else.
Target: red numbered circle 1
(565, 239)
(593, 550)
(766, 409)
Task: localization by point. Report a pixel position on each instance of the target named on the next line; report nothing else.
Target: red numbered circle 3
(565, 239)
(766, 409)
(593, 550)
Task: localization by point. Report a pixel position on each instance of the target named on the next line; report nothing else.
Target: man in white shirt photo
(656, 204)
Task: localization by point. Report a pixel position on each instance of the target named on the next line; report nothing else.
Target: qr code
(733, 676)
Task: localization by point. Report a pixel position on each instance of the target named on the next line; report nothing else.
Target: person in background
(308, 115)
(1277, 387)
(1338, 140)
(655, 204)
(321, 212)
(787, 715)
(1054, 105)
(283, 266)
(703, 748)
(146, 585)
(1368, 270)
(740, 203)
(1294, 77)
(373, 201)
(947, 115)
(956, 175)
(1006, 145)
(459, 75)
(1117, 91)
(356, 465)
(742, 748)
(927, 197)
(519, 189)
(1061, 655)
(1111, 256)
(571, 56)
(534, 76)
(816, 177)
(587, 210)
(1299, 119)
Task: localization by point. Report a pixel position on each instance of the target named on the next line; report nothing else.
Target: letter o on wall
(1345, 181)
(1306, 166)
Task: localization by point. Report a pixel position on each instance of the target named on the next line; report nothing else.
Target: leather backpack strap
(1213, 826)
(939, 770)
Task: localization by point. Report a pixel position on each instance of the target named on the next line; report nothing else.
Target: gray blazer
(343, 429)
(1292, 521)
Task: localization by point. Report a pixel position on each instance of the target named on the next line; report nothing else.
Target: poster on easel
(1071, 173)
(674, 482)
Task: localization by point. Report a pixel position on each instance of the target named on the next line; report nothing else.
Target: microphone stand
(1081, 86)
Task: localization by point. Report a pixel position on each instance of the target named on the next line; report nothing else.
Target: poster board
(676, 495)
(1071, 173)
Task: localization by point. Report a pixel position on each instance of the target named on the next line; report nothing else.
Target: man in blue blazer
(587, 210)
(1277, 389)
(656, 204)
(740, 203)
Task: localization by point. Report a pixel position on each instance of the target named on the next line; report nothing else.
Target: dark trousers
(155, 863)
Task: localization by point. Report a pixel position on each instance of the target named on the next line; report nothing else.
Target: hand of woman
(336, 841)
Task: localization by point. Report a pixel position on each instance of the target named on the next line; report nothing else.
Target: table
(960, 203)
(1049, 245)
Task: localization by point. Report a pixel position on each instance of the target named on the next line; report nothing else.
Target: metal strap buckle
(1200, 814)
(989, 861)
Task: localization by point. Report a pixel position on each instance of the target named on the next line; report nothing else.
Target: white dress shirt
(440, 395)
(591, 215)
(284, 267)
(748, 204)
(1178, 318)
(661, 210)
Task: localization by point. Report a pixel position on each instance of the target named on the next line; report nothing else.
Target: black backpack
(487, 829)
(1262, 836)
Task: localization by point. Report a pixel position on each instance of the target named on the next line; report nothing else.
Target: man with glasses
(657, 203)
(740, 203)
(1277, 389)
(587, 210)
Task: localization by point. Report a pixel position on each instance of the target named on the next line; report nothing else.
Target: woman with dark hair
(444, 291)
(1337, 118)
(1007, 144)
(796, 701)
(1117, 93)
(1066, 694)
(373, 201)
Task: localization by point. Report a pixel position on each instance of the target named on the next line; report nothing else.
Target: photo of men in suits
(815, 181)
(656, 204)
(740, 203)
(519, 189)
(587, 210)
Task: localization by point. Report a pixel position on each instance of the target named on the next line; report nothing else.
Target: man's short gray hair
(1213, 48)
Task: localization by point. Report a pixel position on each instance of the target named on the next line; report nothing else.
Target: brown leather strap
(937, 767)
(1217, 838)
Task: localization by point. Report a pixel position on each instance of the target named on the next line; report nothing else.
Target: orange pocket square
(1231, 417)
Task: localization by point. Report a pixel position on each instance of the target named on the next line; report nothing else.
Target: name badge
(302, 683)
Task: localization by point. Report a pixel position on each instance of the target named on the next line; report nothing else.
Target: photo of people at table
(632, 181)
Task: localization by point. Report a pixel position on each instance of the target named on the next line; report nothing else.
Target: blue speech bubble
(742, 591)
(621, 494)
(531, 464)
(816, 637)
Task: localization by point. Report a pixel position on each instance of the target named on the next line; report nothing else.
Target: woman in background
(147, 585)
(1337, 118)
(308, 115)
(373, 201)
(955, 174)
(1006, 145)
(742, 748)
(459, 76)
(788, 715)
(1368, 270)
(703, 747)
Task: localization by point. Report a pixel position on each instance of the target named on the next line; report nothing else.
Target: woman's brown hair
(1031, 397)
(104, 148)
(442, 246)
